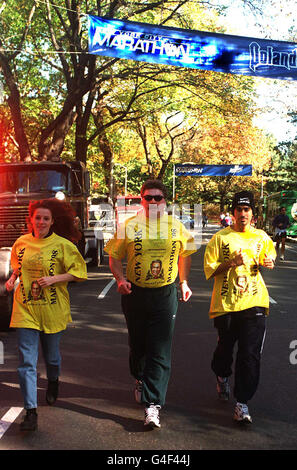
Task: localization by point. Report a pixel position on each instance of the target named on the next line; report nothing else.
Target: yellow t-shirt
(46, 309)
(242, 287)
(152, 247)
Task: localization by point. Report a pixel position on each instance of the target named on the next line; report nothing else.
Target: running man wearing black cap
(240, 301)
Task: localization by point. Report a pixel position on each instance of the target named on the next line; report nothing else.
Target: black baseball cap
(243, 198)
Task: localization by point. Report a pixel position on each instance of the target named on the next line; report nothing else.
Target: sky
(278, 97)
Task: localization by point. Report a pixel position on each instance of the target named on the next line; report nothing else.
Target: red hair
(63, 216)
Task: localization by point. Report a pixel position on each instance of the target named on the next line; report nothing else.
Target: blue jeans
(28, 341)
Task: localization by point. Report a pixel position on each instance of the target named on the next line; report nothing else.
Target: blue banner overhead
(187, 169)
(193, 49)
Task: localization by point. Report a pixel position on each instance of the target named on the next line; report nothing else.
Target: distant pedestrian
(240, 301)
(158, 248)
(45, 261)
(204, 219)
(228, 220)
(280, 224)
(222, 219)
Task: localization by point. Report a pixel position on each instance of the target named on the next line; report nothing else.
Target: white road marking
(106, 289)
(272, 300)
(8, 419)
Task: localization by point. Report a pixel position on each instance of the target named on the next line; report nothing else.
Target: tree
(282, 173)
(77, 78)
(227, 142)
(69, 101)
(14, 101)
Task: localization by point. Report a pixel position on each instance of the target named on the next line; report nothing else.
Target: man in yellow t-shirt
(240, 301)
(157, 248)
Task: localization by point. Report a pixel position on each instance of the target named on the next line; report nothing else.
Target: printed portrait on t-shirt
(242, 283)
(156, 271)
(35, 292)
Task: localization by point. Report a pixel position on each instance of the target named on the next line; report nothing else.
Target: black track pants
(150, 316)
(248, 330)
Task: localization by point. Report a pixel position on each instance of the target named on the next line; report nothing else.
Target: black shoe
(52, 391)
(29, 422)
(223, 388)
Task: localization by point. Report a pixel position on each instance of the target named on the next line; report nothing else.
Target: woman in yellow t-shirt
(44, 260)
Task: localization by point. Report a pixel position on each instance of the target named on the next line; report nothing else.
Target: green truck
(269, 207)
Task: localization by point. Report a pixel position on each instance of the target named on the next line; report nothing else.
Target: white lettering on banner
(236, 169)
(270, 57)
(184, 50)
(188, 170)
(132, 42)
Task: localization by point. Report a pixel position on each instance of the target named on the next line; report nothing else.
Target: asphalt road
(96, 409)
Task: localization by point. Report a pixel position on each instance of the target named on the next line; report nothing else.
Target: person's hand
(239, 259)
(124, 287)
(10, 284)
(185, 292)
(268, 262)
(46, 281)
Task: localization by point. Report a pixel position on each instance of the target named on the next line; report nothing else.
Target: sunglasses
(156, 197)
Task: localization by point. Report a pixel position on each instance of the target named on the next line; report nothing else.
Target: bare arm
(184, 266)
(238, 260)
(46, 281)
(116, 267)
(11, 281)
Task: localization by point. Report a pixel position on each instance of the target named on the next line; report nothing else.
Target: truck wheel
(5, 311)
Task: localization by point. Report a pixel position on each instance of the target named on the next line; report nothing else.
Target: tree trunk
(82, 121)
(15, 109)
(105, 148)
(52, 150)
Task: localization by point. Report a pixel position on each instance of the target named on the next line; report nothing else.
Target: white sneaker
(241, 413)
(138, 390)
(282, 257)
(152, 416)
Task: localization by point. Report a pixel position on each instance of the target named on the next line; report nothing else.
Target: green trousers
(150, 316)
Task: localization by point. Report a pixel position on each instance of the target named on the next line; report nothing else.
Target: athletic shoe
(52, 391)
(152, 416)
(138, 390)
(241, 413)
(282, 257)
(223, 388)
(29, 422)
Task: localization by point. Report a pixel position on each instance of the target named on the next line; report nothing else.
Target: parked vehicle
(270, 206)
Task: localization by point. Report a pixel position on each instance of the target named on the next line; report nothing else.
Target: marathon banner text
(187, 169)
(193, 49)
